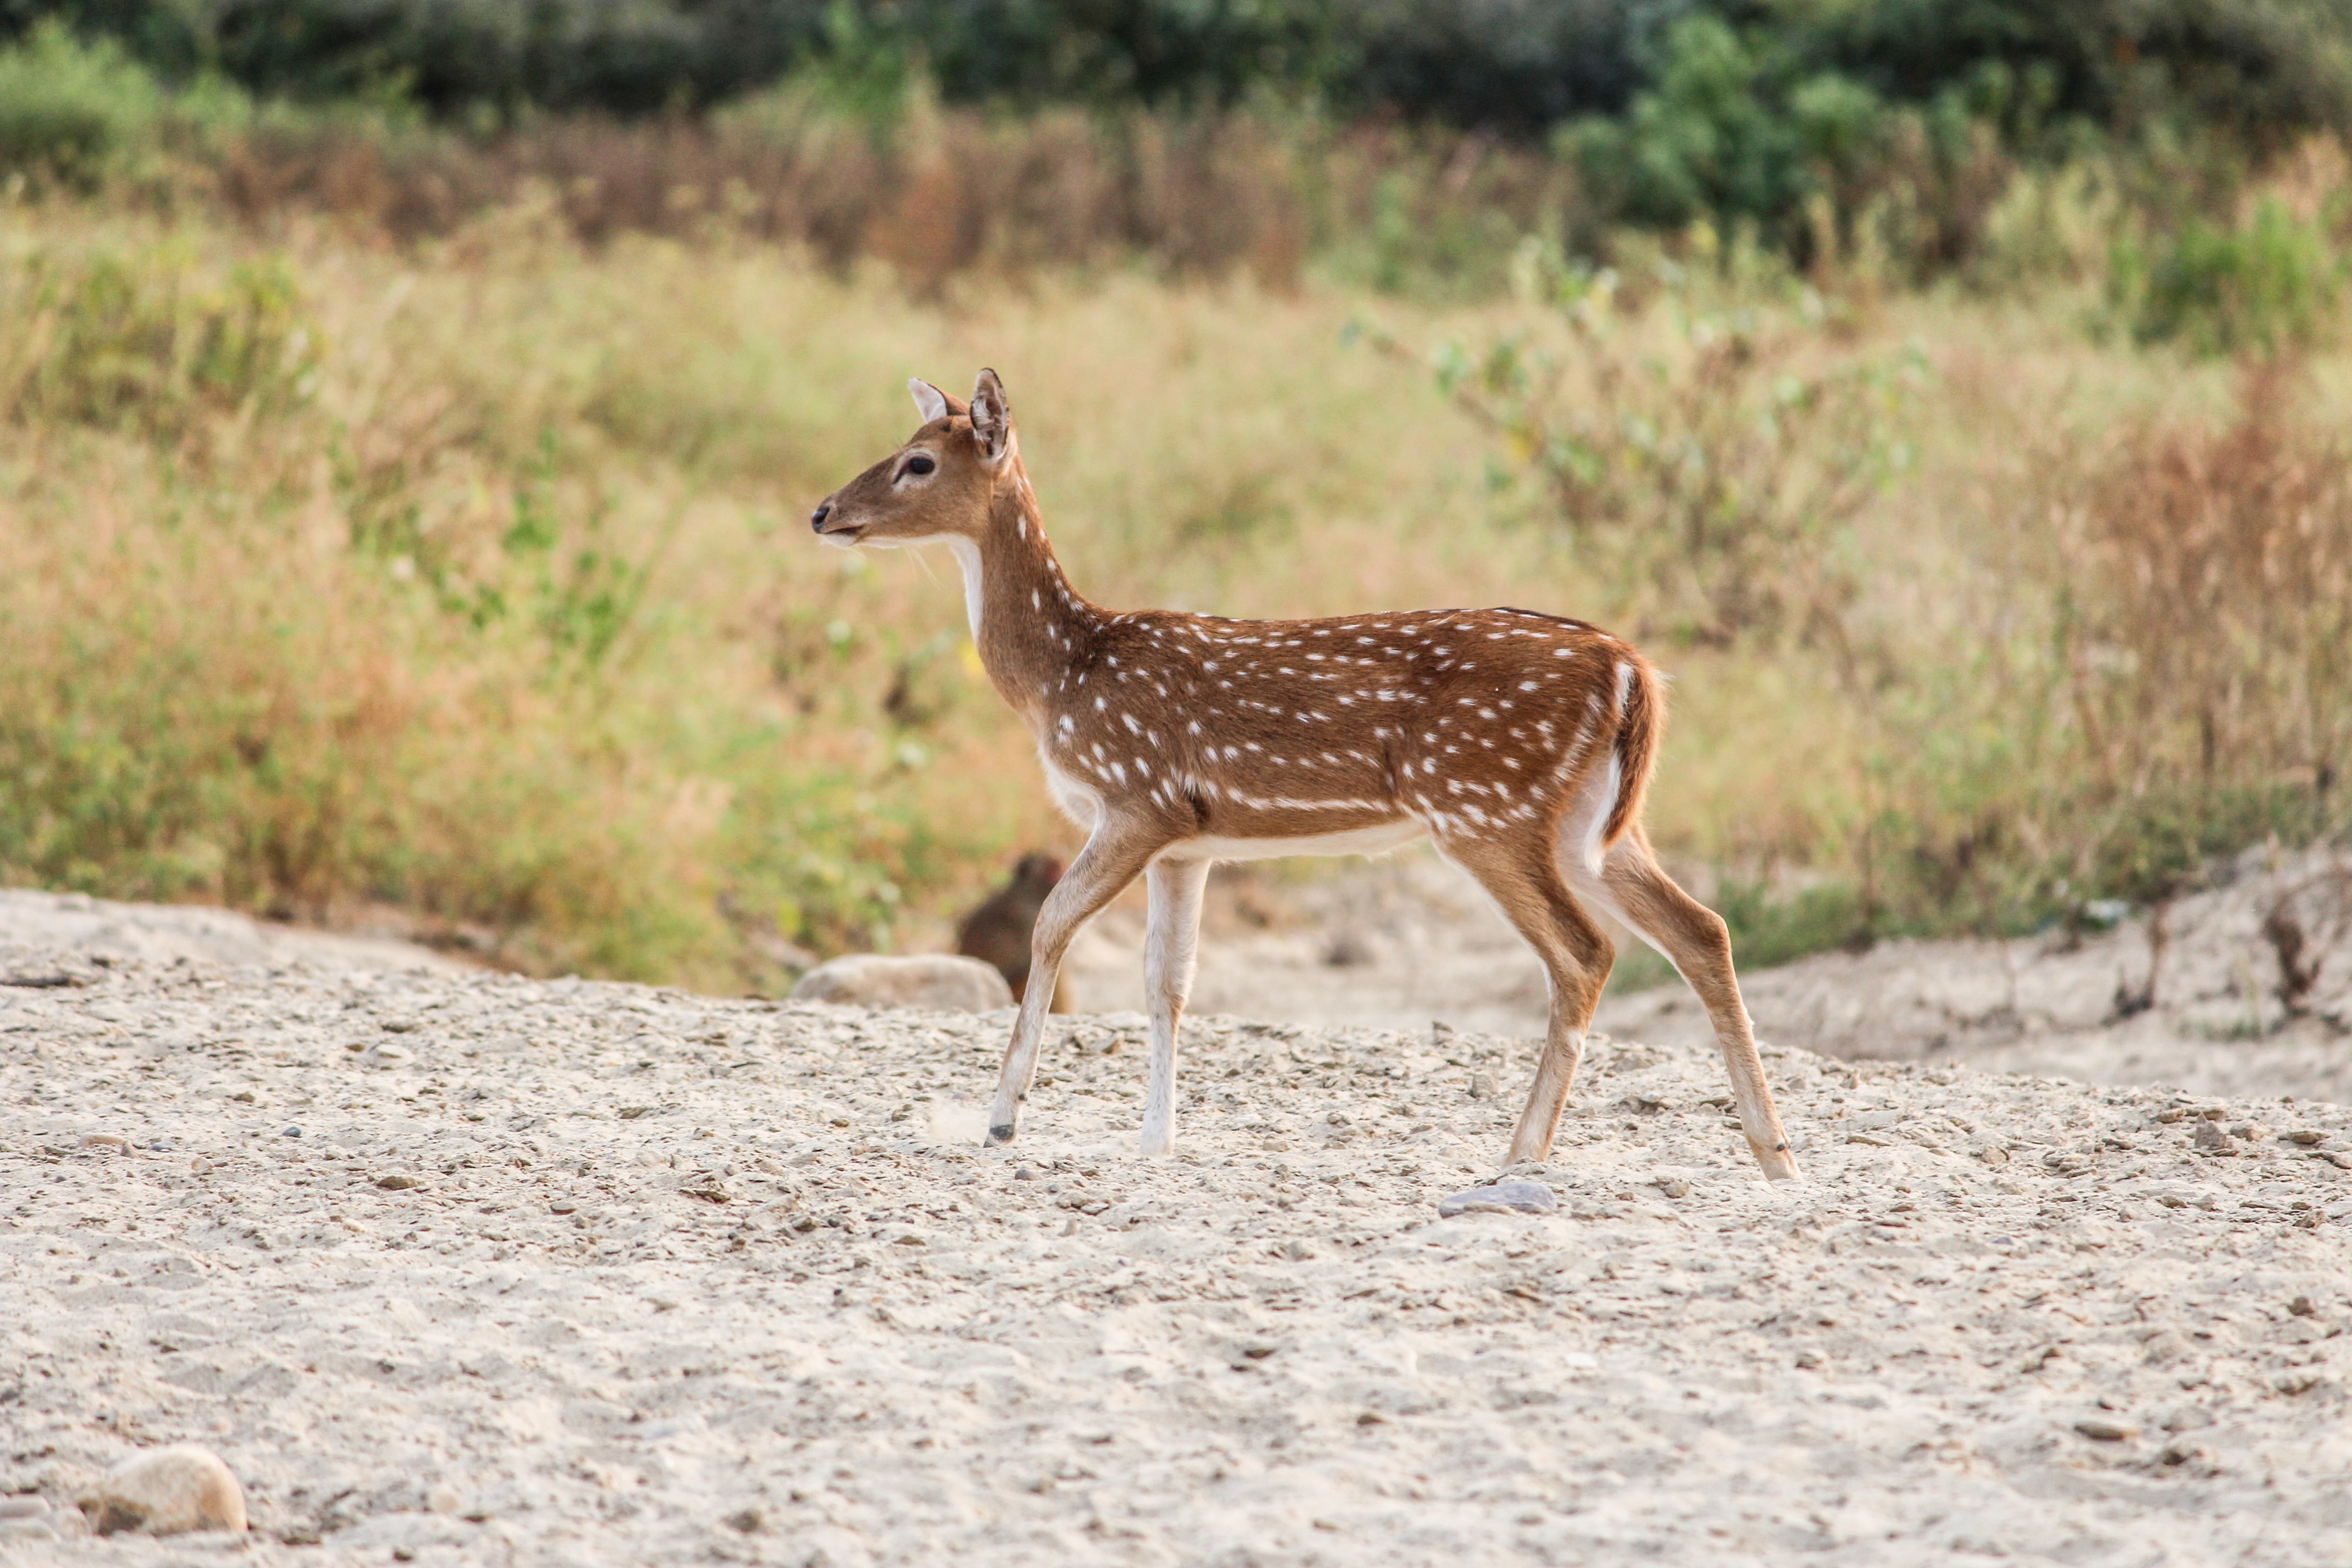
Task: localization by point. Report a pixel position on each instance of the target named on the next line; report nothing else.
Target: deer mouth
(843, 537)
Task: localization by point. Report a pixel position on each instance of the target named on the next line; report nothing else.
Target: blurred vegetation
(1809, 123)
(2088, 677)
(400, 488)
(1518, 69)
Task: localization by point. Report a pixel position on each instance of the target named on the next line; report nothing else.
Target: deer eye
(919, 464)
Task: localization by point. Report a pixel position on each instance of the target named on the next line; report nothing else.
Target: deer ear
(992, 417)
(929, 400)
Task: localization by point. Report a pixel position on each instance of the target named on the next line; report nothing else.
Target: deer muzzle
(826, 514)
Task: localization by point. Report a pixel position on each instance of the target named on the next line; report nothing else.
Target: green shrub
(1709, 476)
(1712, 140)
(146, 340)
(2265, 285)
(69, 110)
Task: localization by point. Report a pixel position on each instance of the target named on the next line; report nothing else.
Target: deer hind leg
(1631, 886)
(1111, 860)
(1522, 877)
(1171, 952)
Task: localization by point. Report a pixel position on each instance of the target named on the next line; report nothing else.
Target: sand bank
(484, 1269)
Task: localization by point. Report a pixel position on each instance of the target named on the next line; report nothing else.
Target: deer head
(938, 484)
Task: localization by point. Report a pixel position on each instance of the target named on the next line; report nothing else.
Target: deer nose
(816, 518)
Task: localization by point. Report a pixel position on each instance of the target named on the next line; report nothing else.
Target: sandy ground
(461, 1268)
(67, 939)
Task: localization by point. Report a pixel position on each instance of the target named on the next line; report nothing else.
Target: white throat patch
(966, 554)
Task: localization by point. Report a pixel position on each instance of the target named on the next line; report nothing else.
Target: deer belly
(1075, 798)
(1375, 840)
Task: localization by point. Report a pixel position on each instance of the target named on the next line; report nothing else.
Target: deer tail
(1641, 719)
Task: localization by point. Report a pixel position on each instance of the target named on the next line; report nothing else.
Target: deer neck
(1026, 620)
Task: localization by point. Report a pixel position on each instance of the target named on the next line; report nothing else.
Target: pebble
(563, 1206)
(2101, 1430)
(23, 1507)
(2210, 1137)
(942, 983)
(1501, 1197)
(107, 1141)
(397, 1183)
(166, 1491)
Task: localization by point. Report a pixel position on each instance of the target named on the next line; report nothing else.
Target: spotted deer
(1521, 743)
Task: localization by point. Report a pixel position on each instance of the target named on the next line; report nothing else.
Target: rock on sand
(171, 1491)
(940, 982)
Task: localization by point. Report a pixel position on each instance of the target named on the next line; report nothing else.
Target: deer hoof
(1002, 1134)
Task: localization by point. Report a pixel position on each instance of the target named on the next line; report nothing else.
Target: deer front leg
(1170, 955)
(1119, 850)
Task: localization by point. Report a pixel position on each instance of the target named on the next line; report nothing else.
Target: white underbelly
(1077, 799)
(1354, 841)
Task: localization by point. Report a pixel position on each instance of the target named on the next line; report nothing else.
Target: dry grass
(934, 194)
(478, 585)
(468, 577)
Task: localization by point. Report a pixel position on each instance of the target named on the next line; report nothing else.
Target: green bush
(68, 109)
(2265, 285)
(147, 340)
(1713, 140)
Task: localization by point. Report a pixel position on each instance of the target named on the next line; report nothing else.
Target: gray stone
(1501, 1197)
(939, 982)
(166, 1492)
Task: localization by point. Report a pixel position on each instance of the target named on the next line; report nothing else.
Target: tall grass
(477, 586)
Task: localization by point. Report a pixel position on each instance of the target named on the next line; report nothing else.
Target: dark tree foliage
(1512, 66)
(1516, 66)
(2253, 65)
